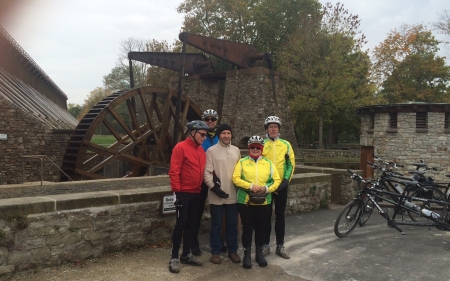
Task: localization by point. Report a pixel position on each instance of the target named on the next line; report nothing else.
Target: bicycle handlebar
(390, 163)
(424, 166)
(357, 177)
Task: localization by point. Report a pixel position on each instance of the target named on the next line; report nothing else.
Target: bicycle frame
(373, 194)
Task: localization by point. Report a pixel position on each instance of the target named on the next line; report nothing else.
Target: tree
(443, 25)
(118, 78)
(144, 74)
(266, 24)
(74, 110)
(406, 67)
(326, 73)
(93, 98)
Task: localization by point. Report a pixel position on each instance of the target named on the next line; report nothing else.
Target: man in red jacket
(187, 165)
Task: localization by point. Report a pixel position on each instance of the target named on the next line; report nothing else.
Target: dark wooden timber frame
(141, 142)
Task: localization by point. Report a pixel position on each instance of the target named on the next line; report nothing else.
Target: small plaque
(3, 136)
(168, 206)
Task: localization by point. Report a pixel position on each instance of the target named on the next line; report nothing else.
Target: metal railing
(41, 157)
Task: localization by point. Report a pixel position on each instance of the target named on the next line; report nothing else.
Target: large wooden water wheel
(140, 121)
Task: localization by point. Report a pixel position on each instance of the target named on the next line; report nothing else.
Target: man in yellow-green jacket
(280, 152)
(254, 174)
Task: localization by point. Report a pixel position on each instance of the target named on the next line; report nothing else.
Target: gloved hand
(178, 199)
(283, 185)
(216, 189)
(219, 192)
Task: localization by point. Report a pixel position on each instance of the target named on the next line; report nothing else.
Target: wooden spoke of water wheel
(140, 121)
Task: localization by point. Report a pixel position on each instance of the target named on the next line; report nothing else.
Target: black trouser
(187, 221)
(280, 200)
(201, 209)
(253, 218)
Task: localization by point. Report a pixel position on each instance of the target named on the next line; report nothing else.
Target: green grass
(105, 140)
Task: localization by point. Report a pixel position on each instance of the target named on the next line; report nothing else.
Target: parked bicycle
(351, 214)
(393, 181)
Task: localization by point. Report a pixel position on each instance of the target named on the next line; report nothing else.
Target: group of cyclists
(207, 165)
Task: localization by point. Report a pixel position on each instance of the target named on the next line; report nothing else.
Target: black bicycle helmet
(197, 125)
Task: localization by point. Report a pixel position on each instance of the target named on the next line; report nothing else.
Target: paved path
(373, 252)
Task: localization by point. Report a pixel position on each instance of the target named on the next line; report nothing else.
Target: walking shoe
(234, 257)
(265, 250)
(190, 259)
(196, 251)
(281, 251)
(174, 265)
(215, 259)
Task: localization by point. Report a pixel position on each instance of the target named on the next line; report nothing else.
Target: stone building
(34, 122)
(406, 133)
(243, 98)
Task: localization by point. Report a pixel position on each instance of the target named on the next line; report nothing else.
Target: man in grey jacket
(221, 159)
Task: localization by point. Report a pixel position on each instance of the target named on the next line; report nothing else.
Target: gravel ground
(150, 263)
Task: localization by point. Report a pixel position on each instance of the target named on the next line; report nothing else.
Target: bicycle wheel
(445, 215)
(437, 195)
(348, 218)
(366, 212)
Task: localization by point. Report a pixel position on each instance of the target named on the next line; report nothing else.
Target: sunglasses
(255, 147)
(203, 135)
(212, 119)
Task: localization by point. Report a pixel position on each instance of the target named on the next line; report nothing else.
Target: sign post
(168, 206)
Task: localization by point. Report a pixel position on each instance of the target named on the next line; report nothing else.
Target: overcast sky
(76, 42)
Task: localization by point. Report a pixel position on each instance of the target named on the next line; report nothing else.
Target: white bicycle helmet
(210, 113)
(255, 140)
(272, 120)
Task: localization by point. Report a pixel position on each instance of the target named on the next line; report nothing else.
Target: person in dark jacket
(210, 117)
(187, 165)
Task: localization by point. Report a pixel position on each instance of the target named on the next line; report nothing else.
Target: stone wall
(308, 192)
(47, 231)
(27, 136)
(247, 100)
(342, 188)
(204, 93)
(327, 153)
(251, 96)
(406, 145)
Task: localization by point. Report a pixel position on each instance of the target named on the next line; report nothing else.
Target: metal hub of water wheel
(140, 121)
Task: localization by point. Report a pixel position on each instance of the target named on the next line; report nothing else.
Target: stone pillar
(203, 93)
(250, 96)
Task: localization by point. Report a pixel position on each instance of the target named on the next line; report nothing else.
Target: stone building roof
(33, 103)
(14, 53)
(25, 85)
(404, 107)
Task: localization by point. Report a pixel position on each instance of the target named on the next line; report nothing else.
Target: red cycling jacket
(186, 167)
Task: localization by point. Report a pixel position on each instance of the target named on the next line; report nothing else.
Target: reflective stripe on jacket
(248, 172)
(276, 152)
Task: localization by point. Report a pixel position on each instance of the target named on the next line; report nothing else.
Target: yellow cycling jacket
(281, 154)
(248, 172)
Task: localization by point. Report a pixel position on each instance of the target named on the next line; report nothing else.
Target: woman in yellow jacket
(254, 174)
